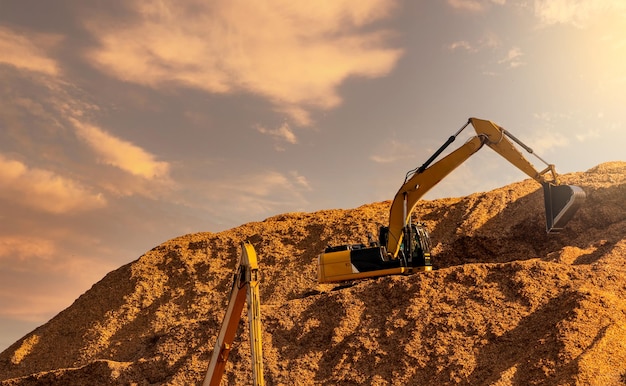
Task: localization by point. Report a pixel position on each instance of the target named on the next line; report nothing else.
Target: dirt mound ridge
(508, 304)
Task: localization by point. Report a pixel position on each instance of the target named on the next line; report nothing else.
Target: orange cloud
(121, 154)
(39, 259)
(576, 12)
(24, 247)
(28, 51)
(44, 190)
(295, 54)
(281, 134)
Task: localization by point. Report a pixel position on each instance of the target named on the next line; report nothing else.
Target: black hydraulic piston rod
(523, 145)
(437, 153)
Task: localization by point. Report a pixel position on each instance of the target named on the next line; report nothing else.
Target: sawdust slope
(507, 305)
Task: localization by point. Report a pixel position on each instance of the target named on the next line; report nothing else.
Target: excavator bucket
(562, 202)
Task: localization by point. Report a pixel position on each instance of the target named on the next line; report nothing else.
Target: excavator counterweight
(403, 247)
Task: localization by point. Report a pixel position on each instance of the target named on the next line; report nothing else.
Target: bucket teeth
(562, 202)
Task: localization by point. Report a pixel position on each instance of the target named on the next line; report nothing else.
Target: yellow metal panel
(249, 260)
(334, 264)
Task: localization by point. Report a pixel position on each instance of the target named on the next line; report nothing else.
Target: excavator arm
(245, 286)
(561, 201)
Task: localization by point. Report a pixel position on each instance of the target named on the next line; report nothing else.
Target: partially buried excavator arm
(245, 285)
(561, 201)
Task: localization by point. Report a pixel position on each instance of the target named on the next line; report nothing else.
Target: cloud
(547, 135)
(462, 44)
(294, 54)
(300, 180)
(474, 5)
(44, 190)
(468, 5)
(513, 58)
(42, 115)
(258, 194)
(25, 247)
(555, 123)
(282, 134)
(28, 51)
(119, 153)
(545, 140)
(39, 260)
(575, 12)
(393, 151)
(588, 135)
(488, 41)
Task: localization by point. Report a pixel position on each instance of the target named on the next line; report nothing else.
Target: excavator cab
(416, 253)
(419, 246)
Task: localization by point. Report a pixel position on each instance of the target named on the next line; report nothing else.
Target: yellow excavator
(245, 286)
(404, 247)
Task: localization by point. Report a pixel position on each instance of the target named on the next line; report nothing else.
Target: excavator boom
(561, 201)
(245, 286)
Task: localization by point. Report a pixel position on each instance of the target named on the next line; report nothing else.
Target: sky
(124, 124)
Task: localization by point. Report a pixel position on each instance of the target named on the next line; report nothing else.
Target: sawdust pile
(508, 304)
